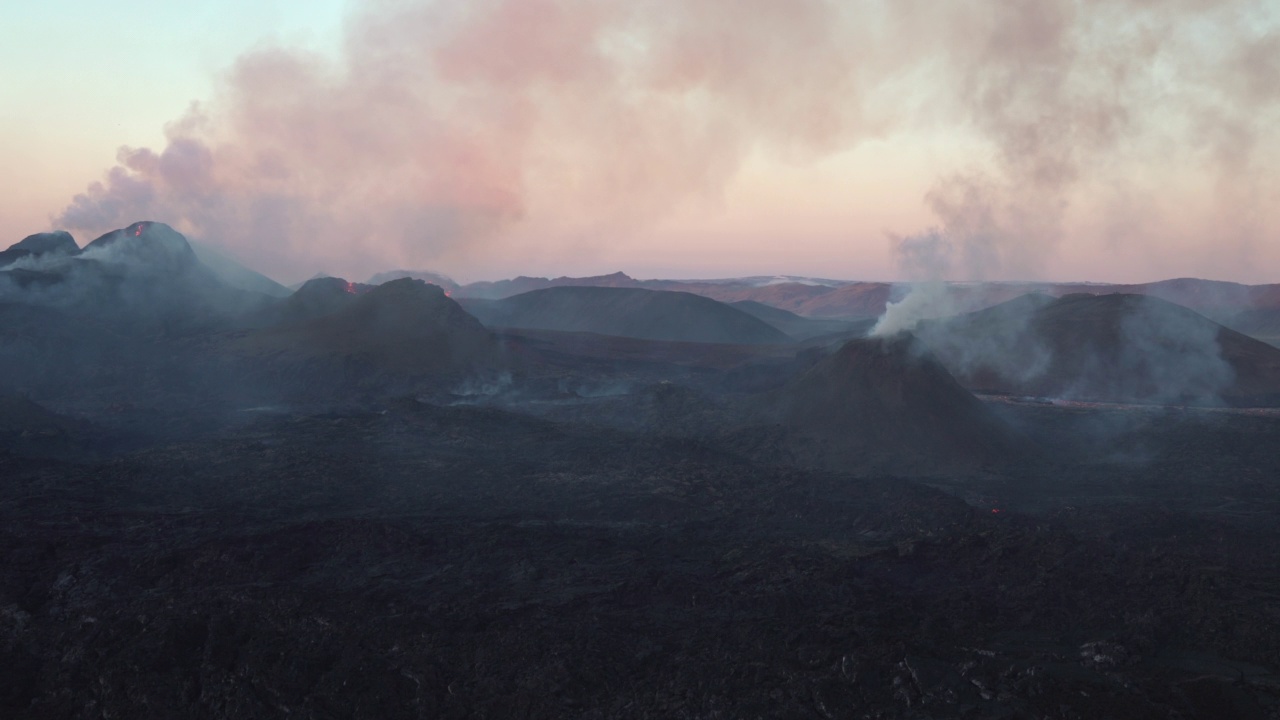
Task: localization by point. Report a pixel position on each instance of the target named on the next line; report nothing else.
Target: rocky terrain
(361, 501)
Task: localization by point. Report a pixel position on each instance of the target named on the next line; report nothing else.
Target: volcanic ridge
(609, 497)
(627, 312)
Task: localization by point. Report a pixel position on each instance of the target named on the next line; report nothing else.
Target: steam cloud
(442, 125)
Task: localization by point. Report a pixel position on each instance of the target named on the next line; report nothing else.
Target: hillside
(627, 312)
(316, 298)
(32, 246)
(796, 326)
(1262, 324)
(236, 274)
(434, 278)
(1124, 348)
(887, 405)
(404, 333)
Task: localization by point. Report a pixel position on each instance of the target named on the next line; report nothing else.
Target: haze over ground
(1108, 140)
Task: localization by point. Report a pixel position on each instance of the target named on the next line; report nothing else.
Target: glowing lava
(351, 288)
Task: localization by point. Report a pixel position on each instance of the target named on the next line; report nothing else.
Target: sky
(1103, 140)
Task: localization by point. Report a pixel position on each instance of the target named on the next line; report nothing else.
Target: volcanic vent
(317, 298)
(886, 404)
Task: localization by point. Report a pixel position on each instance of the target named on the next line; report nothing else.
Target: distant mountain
(1217, 300)
(627, 312)
(887, 405)
(786, 296)
(1122, 348)
(146, 247)
(59, 241)
(796, 326)
(298, 285)
(507, 288)
(235, 274)
(136, 312)
(1214, 298)
(49, 243)
(404, 334)
(426, 276)
(316, 298)
(143, 275)
(799, 295)
(1260, 323)
(848, 300)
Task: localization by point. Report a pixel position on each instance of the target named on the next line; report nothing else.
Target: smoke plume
(444, 127)
(1071, 97)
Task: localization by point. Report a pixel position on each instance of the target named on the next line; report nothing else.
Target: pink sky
(1107, 140)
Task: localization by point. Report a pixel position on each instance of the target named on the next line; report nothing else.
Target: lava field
(361, 501)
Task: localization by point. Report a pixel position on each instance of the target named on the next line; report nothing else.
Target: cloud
(441, 128)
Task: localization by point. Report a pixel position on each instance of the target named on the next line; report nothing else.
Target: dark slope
(1262, 324)
(133, 321)
(29, 429)
(887, 405)
(497, 290)
(235, 274)
(857, 300)
(796, 326)
(787, 295)
(316, 298)
(1124, 348)
(424, 275)
(142, 276)
(46, 351)
(401, 334)
(404, 310)
(628, 312)
(59, 241)
(49, 243)
(148, 246)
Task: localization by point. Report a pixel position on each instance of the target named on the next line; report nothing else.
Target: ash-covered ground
(362, 502)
